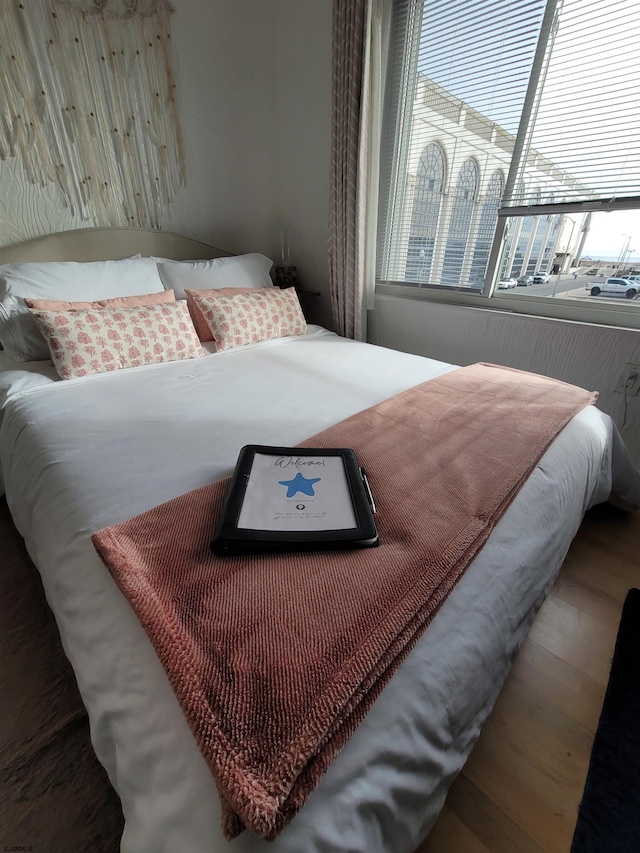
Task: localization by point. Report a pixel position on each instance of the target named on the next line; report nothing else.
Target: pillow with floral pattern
(240, 317)
(96, 340)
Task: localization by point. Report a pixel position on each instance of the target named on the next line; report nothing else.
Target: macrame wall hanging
(88, 107)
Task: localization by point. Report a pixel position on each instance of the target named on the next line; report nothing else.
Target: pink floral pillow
(238, 317)
(96, 340)
(116, 302)
(202, 328)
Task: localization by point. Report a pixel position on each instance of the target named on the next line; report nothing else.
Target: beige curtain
(345, 284)
(356, 115)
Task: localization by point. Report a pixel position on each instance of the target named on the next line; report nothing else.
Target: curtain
(356, 101)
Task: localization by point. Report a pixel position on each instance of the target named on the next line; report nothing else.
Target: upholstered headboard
(101, 244)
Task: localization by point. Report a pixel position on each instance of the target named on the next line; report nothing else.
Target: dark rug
(54, 795)
(609, 816)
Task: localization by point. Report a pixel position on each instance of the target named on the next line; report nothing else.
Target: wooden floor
(520, 789)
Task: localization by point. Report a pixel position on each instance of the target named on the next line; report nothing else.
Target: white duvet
(86, 453)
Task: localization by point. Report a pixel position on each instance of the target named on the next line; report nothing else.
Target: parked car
(541, 278)
(620, 286)
(525, 280)
(506, 283)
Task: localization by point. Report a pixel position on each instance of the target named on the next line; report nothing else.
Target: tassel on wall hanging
(88, 104)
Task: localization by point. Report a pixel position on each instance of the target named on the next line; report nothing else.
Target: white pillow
(250, 270)
(66, 280)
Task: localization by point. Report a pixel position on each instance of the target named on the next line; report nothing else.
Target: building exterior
(457, 164)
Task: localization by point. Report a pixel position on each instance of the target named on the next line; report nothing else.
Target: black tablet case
(229, 540)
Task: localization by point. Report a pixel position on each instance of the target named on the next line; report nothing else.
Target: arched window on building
(528, 246)
(427, 200)
(513, 256)
(536, 238)
(537, 241)
(553, 222)
(486, 229)
(521, 254)
(461, 212)
(547, 254)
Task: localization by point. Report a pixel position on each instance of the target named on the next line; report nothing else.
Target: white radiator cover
(587, 355)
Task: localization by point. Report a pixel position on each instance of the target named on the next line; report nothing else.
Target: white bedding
(86, 453)
(18, 376)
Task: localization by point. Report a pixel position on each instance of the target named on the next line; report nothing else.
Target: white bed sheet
(18, 376)
(86, 453)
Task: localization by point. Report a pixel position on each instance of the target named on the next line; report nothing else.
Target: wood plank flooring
(520, 790)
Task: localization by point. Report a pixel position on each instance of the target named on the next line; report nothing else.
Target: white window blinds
(535, 98)
(581, 141)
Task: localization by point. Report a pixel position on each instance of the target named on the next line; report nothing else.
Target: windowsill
(613, 315)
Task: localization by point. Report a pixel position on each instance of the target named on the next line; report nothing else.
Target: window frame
(615, 315)
(490, 297)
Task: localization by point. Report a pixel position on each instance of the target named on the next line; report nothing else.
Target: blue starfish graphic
(299, 484)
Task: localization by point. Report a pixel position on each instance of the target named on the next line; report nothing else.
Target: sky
(608, 236)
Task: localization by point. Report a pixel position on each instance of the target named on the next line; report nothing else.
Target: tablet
(296, 499)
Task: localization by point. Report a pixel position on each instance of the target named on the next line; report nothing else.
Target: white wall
(254, 94)
(303, 86)
(227, 101)
(586, 355)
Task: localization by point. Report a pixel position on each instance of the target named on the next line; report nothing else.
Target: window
(462, 206)
(510, 151)
(486, 229)
(425, 214)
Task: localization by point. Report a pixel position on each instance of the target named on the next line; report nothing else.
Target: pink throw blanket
(276, 659)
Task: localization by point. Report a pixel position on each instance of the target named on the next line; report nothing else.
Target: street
(566, 286)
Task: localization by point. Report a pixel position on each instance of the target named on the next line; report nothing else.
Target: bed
(81, 454)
